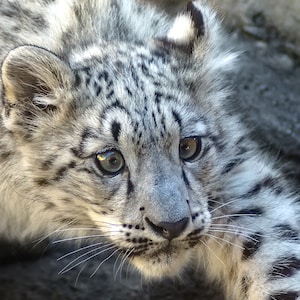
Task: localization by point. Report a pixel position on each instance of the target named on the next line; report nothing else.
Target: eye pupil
(110, 162)
(189, 148)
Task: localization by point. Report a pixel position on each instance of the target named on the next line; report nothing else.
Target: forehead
(138, 89)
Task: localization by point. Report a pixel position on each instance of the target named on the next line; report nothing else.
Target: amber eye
(189, 148)
(110, 162)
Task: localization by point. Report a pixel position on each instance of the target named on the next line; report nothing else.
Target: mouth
(167, 259)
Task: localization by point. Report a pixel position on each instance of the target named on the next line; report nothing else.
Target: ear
(186, 29)
(33, 75)
(198, 33)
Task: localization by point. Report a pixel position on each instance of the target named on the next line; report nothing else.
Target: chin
(162, 264)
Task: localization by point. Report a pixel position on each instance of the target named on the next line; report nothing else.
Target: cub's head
(128, 142)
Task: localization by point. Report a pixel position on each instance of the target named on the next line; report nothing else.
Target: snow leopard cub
(114, 120)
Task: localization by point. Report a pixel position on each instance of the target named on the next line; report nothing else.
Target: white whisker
(79, 250)
(223, 205)
(70, 265)
(103, 261)
(215, 255)
(80, 238)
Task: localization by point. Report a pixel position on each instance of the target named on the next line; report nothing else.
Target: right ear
(33, 81)
(197, 33)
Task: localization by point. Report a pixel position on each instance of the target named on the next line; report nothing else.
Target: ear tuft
(186, 29)
(197, 18)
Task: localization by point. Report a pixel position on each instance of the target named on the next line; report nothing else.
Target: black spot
(77, 80)
(231, 166)
(130, 187)
(285, 267)
(286, 232)
(76, 152)
(177, 118)
(50, 205)
(72, 164)
(142, 208)
(116, 130)
(61, 173)
(88, 133)
(245, 284)
(129, 92)
(98, 90)
(47, 164)
(252, 245)
(103, 75)
(158, 96)
(268, 182)
(110, 95)
(251, 212)
(284, 296)
(42, 182)
(154, 119)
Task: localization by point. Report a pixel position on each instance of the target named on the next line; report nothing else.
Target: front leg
(255, 253)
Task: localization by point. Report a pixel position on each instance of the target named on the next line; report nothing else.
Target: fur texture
(114, 125)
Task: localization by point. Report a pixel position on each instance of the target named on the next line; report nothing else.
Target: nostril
(169, 230)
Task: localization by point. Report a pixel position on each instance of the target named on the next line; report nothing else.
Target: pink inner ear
(197, 19)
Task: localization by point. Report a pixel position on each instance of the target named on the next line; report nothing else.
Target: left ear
(187, 28)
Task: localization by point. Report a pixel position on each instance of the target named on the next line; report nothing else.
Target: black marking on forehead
(177, 118)
(103, 75)
(158, 96)
(116, 130)
(87, 133)
(115, 105)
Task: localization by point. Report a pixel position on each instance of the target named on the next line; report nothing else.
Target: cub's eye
(110, 162)
(189, 148)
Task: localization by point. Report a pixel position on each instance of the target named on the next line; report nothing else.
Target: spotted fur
(114, 122)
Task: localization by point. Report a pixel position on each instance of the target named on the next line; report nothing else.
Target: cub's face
(123, 143)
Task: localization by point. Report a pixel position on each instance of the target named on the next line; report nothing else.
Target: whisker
(229, 231)
(81, 237)
(114, 268)
(103, 261)
(215, 255)
(78, 275)
(233, 215)
(70, 265)
(223, 205)
(224, 240)
(123, 260)
(79, 250)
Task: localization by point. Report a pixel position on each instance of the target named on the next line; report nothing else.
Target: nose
(169, 230)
